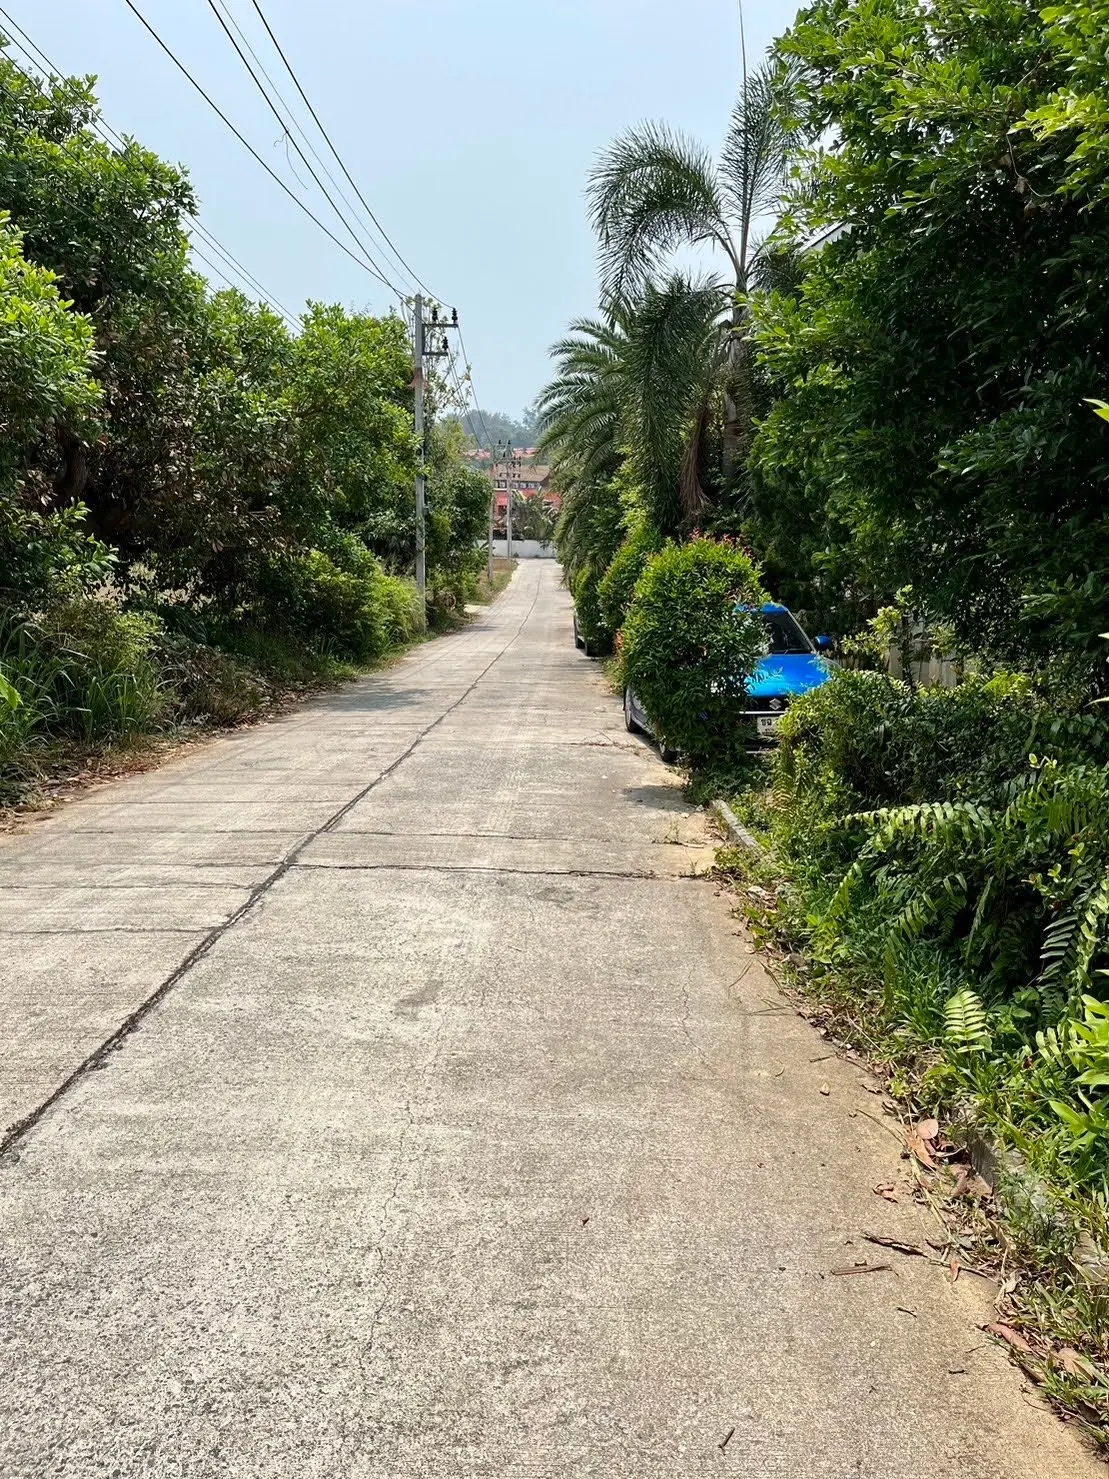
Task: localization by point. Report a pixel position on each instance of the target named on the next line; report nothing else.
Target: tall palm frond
(753, 160)
(674, 358)
(580, 409)
(652, 191)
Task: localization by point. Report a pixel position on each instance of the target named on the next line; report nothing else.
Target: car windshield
(784, 633)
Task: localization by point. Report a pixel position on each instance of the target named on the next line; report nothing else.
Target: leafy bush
(402, 616)
(86, 670)
(352, 609)
(692, 638)
(1078, 1053)
(619, 580)
(948, 856)
(82, 671)
(865, 740)
(587, 603)
(1013, 898)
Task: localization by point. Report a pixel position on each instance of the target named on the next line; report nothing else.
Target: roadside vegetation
(882, 403)
(202, 506)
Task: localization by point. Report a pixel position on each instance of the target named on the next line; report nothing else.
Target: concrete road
(386, 1098)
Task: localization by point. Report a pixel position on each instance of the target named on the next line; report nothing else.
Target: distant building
(515, 480)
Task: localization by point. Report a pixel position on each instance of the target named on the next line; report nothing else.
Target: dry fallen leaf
(1010, 1336)
(1072, 1363)
(918, 1148)
(824, 1089)
(928, 1129)
(865, 1268)
(888, 1190)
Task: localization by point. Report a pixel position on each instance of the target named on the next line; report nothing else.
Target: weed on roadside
(1030, 1221)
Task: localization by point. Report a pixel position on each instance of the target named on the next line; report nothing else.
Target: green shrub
(341, 603)
(865, 740)
(619, 580)
(587, 603)
(402, 615)
(691, 640)
(1012, 897)
(948, 855)
(85, 670)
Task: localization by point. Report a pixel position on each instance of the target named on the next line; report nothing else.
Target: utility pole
(508, 485)
(420, 347)
(492, 509)
(422, 351)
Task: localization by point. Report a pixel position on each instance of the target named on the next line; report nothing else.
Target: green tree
(928, 373)
(47, 360)
(655, 191)
(640, 387)
(581, 408)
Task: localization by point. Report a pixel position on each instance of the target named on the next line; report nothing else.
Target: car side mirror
(825, 644)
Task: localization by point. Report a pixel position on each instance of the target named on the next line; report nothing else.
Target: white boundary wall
(524, 549)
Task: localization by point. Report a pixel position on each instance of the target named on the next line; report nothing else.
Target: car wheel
(629, 714)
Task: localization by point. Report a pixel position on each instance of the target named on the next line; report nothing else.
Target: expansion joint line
(99, 1056)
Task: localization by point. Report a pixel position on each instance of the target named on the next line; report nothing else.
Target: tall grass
(85, 673)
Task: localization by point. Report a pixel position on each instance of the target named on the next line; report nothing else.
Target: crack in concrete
(98, 1058)
(627, 873)
(483, 836)
(687, 1012)
(109, 929)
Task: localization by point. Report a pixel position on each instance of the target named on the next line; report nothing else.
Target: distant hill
(501, 428)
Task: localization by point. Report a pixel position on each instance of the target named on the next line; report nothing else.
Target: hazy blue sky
(469, 125)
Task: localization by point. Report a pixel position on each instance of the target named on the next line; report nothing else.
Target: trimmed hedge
(692, 638)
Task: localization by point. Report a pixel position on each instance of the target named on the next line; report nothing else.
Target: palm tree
(580, 411)
(638, 390)
(641, 390)
(655, 191)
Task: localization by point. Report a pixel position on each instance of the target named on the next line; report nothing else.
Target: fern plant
(966, 1024)
(1016, 894)
(1077, 1052)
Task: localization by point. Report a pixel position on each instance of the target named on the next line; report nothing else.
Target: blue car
(793, 665)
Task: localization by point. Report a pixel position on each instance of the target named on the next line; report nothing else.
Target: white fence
(524, 549)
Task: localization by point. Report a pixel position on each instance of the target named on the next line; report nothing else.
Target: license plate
(767, 723)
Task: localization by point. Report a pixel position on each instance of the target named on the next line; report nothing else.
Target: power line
(411, 282)
(109, 136)
(260, 85)
(244, 275)
(281, 183)
(477, 401)
(250, 147)
(338, 157)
